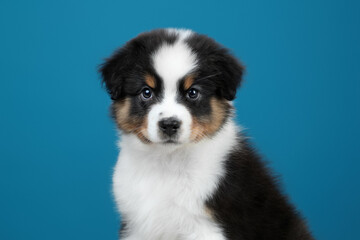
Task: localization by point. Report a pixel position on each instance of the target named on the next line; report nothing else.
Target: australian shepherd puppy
(185, 171)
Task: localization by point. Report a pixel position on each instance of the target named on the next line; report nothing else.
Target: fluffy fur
(185, 171)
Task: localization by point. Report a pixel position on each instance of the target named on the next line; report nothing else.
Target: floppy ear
(113, 72)
(231, 74)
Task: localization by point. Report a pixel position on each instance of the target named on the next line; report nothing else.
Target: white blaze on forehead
(182, 33)
(174, 61)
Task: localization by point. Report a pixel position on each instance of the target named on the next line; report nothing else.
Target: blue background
(300, 103)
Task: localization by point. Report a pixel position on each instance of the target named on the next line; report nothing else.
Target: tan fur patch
(188, 82)
(150, 81)
(130, 124)
(207, 126)
(209, 213)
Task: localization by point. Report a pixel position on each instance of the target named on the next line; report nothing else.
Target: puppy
(185, 171)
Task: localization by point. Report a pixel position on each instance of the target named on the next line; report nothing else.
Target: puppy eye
(193, 94)
(146, 93)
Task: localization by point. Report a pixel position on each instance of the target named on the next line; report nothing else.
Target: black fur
(249, 204)
(217, 65)
(218, 72)
(122, 71)
(201, 106)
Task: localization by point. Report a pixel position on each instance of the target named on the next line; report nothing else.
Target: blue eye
(193, 94)
(146, 93)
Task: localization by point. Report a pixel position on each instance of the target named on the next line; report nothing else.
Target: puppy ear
(231, 74)
(113, 72)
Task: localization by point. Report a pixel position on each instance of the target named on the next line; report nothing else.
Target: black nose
(169, 126)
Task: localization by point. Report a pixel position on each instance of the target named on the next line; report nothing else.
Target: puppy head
(171, 86)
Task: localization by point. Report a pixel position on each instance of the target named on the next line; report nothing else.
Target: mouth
(166, 139)
(171, 141)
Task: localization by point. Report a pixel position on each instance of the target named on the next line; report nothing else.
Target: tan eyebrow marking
(188, 82)
(150, 80)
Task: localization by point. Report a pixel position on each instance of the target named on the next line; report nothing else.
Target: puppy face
(171, 86)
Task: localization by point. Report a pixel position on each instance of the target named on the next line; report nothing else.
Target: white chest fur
(161, 190)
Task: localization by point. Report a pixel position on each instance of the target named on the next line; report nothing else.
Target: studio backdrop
(300, 103)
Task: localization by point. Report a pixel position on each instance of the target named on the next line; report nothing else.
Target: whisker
(209, 76)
